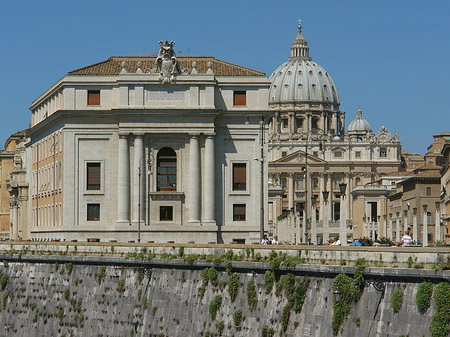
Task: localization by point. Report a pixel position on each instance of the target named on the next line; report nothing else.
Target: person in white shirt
(406, 239)
(265, 240)
(337, 242)
(275, 240)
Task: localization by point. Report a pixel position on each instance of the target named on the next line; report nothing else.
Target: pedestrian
(357, 242)
(265, 240)
(275, 240)
(406, 239)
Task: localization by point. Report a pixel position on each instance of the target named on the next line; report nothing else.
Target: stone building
(10, 160)
(149, 149)
(445, 192)
(318, 163)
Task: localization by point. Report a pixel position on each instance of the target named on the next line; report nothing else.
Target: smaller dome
(359, 124)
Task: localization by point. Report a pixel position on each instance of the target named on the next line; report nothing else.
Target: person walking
(406, 239)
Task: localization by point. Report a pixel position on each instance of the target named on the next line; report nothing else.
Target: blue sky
(389, 57)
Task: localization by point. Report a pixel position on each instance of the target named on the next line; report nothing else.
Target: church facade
(318, 167)
(145, 149)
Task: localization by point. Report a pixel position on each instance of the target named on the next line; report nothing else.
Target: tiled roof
(112, 66)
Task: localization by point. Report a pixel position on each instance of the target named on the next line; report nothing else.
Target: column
(330, 197)
(425, 227)
(405, 221)
(138, 185)
(397, 228)
(321, 201)
(210, 194)
(313, 234)
(343, 219)
(291, 190)
(384, 226)
(437, 225)
(415, 237)
(390, 227)
(123, 181)
(194, 180)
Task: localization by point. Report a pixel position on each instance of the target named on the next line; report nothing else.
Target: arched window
(167, 170)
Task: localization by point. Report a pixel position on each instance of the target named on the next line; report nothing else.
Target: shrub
(269, 280)
(252, 297)
(201, 292)
(4, 278)
(190, 259)
(121, 286)
(350, 292)
(300, 294)
(439, 324)
(397, 300)
(220, 327)
(267, 332)
(237, 318)
(214, 306)
(233, 285)
(69, 267)
(285, 317)
(67, 294)
(424, 295)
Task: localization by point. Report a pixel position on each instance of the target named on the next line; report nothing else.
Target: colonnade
(194, 177)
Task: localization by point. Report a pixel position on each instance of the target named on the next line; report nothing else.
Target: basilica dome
(359, 124)
(300, 80)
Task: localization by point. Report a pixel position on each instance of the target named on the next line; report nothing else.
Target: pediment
(298, 157)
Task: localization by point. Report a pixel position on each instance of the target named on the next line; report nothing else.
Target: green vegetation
(237, 318)
(252, 296)
(4, 278)
(121, 286)
(357, 321)
(269, 280)
(201, 292)
(285, 317)
(220, 327)
(440, 323)
(397, 300)
(267, 332)
(351, 290)
(424, 295)
(181, 252)
(101, 275)
(190, 259)
(210, 275)
(67, 294)
(300, 294)
(233, 285)
(214, 306)
(69, 267)
(139, 294)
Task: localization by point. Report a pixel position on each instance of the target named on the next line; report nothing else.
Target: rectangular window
(93, 212)
(299, 183)
(428, 191)
(239, 98)
(383, 153)
(285, 123)
(283, 153)
(93, 97)
(239, 212)
(315, 183)
(357, 154)
(337, 154)
(166, 213)
(93, 176)
(239, 177)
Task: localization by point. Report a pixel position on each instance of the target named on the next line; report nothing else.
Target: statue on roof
(166, 64)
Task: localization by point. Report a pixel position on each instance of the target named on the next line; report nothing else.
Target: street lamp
(149, 164)
(262, 126)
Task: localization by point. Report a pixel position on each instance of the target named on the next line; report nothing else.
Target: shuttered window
(239, 98)
(239, 177)
(93, 97)
(166, 213)
(239, 212)
(93, 176)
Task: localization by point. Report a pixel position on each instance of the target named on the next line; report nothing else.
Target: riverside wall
(85, 294)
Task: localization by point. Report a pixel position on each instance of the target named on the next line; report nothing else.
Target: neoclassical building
(315, 165)
(151, 149)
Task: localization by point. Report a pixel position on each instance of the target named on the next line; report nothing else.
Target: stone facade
(148, 149)
(312, 156)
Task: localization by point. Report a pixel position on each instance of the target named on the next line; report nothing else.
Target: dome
(300, 79)
(359, 124)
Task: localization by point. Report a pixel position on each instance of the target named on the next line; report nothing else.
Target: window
(285, 123)
(167, 170)
(239, 177)
(93, 97)
(283, 153)
(315, 183)
(314, 123)
(299, 123)
(358, 154)
(299, 183)
(336, 211)
(337, 182)
(93, 212)
(165, 213)
(338, 154)
(429, 218)
(93, 176)
(428, 191)
(239, 212)
(239, 98)
(383, 152)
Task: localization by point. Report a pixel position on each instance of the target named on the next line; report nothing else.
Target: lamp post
(262, 125)
(149, 164)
